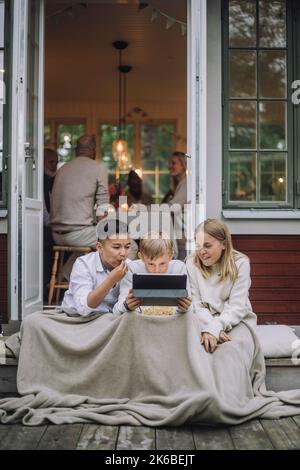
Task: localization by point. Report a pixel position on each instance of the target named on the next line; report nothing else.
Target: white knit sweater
(221, 305)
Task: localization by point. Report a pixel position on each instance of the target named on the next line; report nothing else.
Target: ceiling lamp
(120, 146)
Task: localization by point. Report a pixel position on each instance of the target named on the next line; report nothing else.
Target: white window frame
(196, 117)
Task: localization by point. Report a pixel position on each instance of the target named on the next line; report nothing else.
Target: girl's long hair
(219, 230)
(181, 156)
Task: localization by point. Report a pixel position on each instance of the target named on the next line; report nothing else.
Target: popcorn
(158, 310)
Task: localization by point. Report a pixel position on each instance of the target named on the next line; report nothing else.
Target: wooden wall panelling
(275, 274)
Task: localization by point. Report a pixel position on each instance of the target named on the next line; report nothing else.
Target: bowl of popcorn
(157, 310)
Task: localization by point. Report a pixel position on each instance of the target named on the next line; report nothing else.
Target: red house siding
(275, 274)
(3, 279)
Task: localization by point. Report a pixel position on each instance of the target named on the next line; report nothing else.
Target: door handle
(29, 153)
(28, 149)
(6, 158)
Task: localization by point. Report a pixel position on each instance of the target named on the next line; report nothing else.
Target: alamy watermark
(173, 220)
(296, 93)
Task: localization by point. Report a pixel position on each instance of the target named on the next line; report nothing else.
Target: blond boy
(155, 253)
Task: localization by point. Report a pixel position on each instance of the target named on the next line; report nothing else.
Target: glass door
(26, 211)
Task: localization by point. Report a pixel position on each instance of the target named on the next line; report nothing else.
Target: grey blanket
(138, 370)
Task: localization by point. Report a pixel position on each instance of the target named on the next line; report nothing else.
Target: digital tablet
(159, 289)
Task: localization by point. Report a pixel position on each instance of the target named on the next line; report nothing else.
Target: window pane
(164, 185)
(242, 74)
(272, 23)
(1, 23)
(242, 176)
(47, 135)
(108, 134)
(273, 177)
(242, 23)
(273, 125)
(242, 122)
(149, 185)
(273, 67)
(122, 179)
(157, 143)
(32, 102)
(165, 141)
(148, 147)
(67, 136)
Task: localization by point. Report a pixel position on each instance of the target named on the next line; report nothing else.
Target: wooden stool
(56, 276)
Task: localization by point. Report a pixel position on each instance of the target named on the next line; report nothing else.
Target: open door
(197, 116)
(26, 243)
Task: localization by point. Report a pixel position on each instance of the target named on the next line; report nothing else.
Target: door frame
(18, 137)
(196, 117)
(196, 132)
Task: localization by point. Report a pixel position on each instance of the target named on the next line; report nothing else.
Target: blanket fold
(138, 370)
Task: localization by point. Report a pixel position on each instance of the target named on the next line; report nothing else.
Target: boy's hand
(184, 303)
(119, 272)
(223, 338)
(131, 301)
(209, 342)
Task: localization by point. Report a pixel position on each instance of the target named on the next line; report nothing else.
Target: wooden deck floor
(283, 434)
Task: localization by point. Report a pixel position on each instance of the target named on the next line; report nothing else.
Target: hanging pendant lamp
(120, 145)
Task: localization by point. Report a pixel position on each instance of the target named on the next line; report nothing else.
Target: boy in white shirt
(155, 253)
(95, 278)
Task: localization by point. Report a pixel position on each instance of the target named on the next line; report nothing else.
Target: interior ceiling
(81, 63)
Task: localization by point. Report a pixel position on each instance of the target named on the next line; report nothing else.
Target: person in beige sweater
(220, 281)
(79, 186)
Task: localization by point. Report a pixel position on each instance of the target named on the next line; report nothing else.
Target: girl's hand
(118, 273)
(184, 304)
(209, 342)
(223, 337)
(132, 302)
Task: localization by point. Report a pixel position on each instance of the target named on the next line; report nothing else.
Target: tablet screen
(159, 281)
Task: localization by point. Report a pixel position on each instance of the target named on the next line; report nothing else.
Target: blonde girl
(220, 281)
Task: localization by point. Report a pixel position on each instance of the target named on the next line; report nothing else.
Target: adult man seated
(79, 185)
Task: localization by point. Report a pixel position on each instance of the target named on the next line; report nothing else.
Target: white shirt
(87, 274)
(138, 266)
(221, 305)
